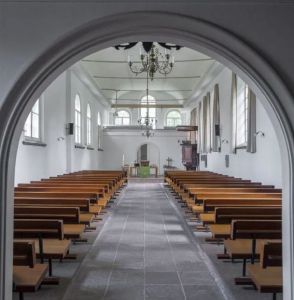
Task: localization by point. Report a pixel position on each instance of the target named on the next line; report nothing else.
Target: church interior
(148, 170)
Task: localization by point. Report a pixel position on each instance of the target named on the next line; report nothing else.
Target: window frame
(167, 117)
(89, 128)
(245, 92)
(122, 118)
(99, 129)
(31, 138)
(78, 121)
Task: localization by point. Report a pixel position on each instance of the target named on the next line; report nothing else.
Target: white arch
(104, 32)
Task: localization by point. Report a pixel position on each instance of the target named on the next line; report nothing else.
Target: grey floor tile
(161, 278)
(196, 278)
(127, 277)
(121, 292)
(164, 292)
(202, 292)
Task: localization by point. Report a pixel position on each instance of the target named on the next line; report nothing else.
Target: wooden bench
(27, 274)
(24, 227)
(251, 231)
(225, 215)
(48, 236)
(83, 204)
(209, 205)
(267, 276)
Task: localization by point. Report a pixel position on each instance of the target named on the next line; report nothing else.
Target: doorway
(102, 33)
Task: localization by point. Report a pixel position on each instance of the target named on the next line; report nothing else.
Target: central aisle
(144, 251)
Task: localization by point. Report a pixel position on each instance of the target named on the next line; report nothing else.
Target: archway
(150, 152)
(193, 33)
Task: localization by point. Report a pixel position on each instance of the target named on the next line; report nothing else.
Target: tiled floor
(144, 251)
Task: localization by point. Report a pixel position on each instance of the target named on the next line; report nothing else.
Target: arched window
(151, 110)
(32, 124)
(240, 113)
(99, 125)
(173, 119)
(99, 119)
(89, 125)
(78, 120)
(122, 118)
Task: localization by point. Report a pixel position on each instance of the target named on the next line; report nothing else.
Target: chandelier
(152, 62)
(115, 114)
(147, 121)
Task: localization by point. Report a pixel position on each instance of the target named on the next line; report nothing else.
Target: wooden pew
(267, 276)
(27, 274)
(48, 236)
(83, 204)
(201, 197)
(243, 242)
(225, 215)
(69, 215)
(23, 227)
(209, 205)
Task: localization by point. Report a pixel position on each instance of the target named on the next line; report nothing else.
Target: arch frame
(101, 33)
(169, 111)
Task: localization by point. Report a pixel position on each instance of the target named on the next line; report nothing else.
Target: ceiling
(110, 70)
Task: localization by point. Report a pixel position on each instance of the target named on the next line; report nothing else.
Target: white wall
(127, 142)
(60, 156)
(264, 165)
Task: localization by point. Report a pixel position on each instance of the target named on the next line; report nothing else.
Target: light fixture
(261, 133)
(115, 114)
(147, 46)
(147, 121)
(152, 62)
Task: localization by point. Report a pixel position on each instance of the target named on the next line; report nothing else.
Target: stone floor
(144, 252)
(145, 249)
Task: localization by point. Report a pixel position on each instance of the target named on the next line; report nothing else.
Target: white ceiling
(109, 69)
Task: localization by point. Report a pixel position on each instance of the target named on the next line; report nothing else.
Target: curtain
(251, 123)
(215, 120)
(204, 126)
(234, 113)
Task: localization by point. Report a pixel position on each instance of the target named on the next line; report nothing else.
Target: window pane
(77, 127)
(123, 113)
(77, 103)
(152, 112)
(117, 121)
(88, 111)
(169, 122)
(35, 126)
(143, 112)
(99, 119)
(126, 121)
(35, 108)
(28, 126)
(241, 112)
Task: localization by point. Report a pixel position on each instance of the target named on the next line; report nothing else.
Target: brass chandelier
(152, 62)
